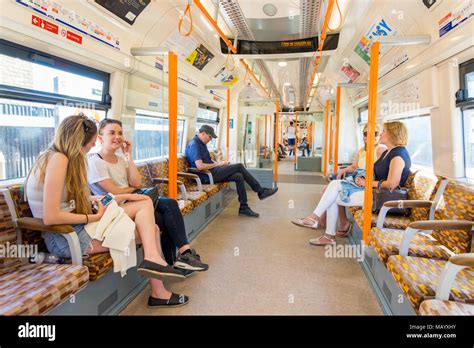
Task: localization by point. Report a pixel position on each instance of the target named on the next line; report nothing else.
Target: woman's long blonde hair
(72, 134)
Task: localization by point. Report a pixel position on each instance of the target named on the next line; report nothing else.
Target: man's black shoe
(154, 270)
(176, 300)
(248, 212)
(267, 192)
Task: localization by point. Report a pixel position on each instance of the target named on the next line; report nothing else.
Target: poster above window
(126, 10)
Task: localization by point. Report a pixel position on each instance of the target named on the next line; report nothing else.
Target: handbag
(151, 192)
(380, 196)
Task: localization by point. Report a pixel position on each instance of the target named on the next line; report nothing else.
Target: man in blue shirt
(198, 157)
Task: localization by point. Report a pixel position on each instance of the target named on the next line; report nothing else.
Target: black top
(382, 165)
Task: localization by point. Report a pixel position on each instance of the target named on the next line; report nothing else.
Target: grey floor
(266, 266)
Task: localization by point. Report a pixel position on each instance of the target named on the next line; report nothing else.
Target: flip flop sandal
(343, 234)
(300, 222)
(319, 241)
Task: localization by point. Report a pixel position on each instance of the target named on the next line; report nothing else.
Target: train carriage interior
(251, 120)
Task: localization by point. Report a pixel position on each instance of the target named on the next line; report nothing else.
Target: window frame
(38, 57)
(465, 68)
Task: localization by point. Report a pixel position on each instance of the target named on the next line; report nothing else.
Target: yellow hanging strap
(340, 16)
(181, 19)
(227, 61)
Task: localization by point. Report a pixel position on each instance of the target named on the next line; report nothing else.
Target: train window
(419, 141)
(208, 115)
(31, 75)
(151, 136)
(26, 129)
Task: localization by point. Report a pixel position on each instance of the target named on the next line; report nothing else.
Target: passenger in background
(390, 170)
(358, 163)
(198, 157)
(291, 137)
(58, 193)
(110, 172)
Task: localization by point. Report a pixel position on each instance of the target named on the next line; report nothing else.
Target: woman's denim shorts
(57, 243)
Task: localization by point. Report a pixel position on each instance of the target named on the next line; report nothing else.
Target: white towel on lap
(117, 232)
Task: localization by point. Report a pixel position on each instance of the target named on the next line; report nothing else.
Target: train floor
(266, 265)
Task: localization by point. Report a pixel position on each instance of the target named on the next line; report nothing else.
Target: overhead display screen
(283, 47)
(127, 10)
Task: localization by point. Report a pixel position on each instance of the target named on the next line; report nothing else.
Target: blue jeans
(57, 243)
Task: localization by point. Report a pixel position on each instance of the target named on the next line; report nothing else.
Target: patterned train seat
(31, 289)
(418, 278)
(457, 203)
(189, 183)
(438, 307)
(185, 206)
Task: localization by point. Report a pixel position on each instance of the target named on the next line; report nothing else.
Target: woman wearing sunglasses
(336, 207)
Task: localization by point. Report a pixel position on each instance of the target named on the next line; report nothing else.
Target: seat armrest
(466, 260)
(455, 264)
(29, 223)
(204, 171)
(427, 227)
(195, 177)
(180, 184)
(67, 231)
(400, 204)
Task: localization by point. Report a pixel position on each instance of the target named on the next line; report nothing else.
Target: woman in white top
(58, 193)
(111, 172)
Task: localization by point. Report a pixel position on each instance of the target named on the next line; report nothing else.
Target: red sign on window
(44, 24)
(74, 37)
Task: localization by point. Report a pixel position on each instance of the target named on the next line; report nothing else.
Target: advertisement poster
(455, 18)
(61, 14)
(126, 10)
(226, 77)
(379, 28)
(200, 57)
(350, 73)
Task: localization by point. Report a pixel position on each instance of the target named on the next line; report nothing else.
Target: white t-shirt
(291, 132)
(101, 170)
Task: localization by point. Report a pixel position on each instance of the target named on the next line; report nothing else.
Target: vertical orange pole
(258, 138)
(369, 162)
(265, 140)
(275, 163)
(173, 124)
(296, 133)
(227, 138)
(330, 137)
(338, 110)
(326, 125)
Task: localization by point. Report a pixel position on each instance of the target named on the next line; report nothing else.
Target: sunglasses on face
(376, 134)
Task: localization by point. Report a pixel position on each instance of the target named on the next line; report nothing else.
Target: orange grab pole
(258, 137)
(254, 77)
(227, 138)
(275, 163)
(331, 140)
(369, 162)
(326, 125)
(265, 139)
(338, 111)
(173, 124)
(296, 133)
(214, 25)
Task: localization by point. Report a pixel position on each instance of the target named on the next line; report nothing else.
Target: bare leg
(343, 222)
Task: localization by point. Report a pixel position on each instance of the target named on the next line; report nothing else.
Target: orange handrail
(173, 125)
(254, 77)
(265, 139)
(369, 161)
(317, 59)
(296, 137)
(227, 138)
(338, 110)
(275, 163)
(188, 10)
(258, 138)
(331, 140)
(326, 125)
(214, 25)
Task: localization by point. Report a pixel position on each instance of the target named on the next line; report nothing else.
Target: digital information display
(283, 47)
